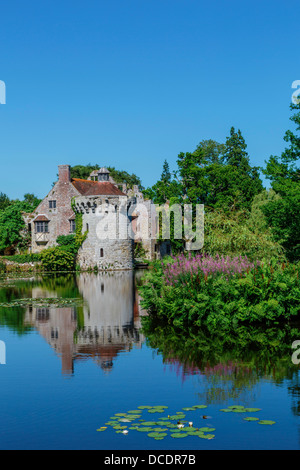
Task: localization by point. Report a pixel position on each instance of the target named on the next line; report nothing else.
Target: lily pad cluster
(56, 302)
(242, 409)
(175, 425)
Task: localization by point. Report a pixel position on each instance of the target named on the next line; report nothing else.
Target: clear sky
(129, 83)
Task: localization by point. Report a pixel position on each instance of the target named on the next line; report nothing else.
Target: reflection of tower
(109, 326)
(101, 329)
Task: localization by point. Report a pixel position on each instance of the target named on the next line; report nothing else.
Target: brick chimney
(64, 173)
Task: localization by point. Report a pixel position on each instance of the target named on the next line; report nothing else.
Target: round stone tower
(107, 245)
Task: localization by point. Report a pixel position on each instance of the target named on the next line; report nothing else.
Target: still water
(76, 355)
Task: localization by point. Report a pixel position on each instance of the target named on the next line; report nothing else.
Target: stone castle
(107, 209)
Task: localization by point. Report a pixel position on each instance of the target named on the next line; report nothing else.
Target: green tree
(210, 150)
(4, 201)
(220, 175)
(12, 226)
(283, 214)
(32, 200)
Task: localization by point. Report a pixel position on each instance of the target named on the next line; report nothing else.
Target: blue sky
(129, 83)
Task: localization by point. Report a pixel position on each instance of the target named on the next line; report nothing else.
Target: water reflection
(111, 317)
(106, 324)
(229, 365)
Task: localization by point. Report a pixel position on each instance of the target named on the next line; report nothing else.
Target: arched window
(101, 253)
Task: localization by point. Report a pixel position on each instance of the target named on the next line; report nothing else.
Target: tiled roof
(41, 218)
(96, 188)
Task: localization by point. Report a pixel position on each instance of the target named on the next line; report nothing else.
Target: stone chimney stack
(64, 173)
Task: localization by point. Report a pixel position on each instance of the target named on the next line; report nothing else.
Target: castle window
(72, 226)
(42, 314)
(101, 253)
(41, 227)
(52, 204)
(87, 227)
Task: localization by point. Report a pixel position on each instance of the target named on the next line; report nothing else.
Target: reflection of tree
(231, 363)
(14, 289)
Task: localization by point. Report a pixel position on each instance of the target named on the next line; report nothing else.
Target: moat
(79, 354)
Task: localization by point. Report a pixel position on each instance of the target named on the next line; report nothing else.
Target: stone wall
(59, 218)
(104, 220)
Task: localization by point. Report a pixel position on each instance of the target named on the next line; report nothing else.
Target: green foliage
(235, 357)
(139, 251)
(267, 294)
(120, 176)
(68, 243)
(79, 236)
(220, 176)
(25, 258)
(32, 200)
(237, 235)
(57, 259)
(12, 224)
(4, 201)
(83, 171)
(283, 214)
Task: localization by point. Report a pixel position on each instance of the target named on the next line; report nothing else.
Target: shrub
(67, 243)
(26, 258)
(57, 259)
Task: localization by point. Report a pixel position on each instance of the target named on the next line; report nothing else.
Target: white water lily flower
(191, 423)
(180, 426)
(125, 431)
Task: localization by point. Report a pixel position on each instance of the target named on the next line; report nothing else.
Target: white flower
(191, 423)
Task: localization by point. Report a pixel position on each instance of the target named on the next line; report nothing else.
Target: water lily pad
(195, 433)
(179, 435)
(149, 423)
(160, 429)
(121, 414)
(103, 428)
(207, 436)
(200, 406)
(265, 421)
(226, 410)
(134, 412)
(157, 434)
(188, 409)
(144, 429)
(144, 407)
(236, 407)
(252, 410)
(251, 418)
(206, 429)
